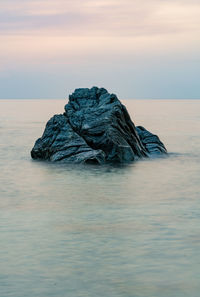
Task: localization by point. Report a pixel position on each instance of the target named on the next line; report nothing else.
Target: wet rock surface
(95, 128)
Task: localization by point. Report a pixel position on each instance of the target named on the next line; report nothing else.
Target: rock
(95, 128)
(151, 142)
(104, 123)
(59, 142)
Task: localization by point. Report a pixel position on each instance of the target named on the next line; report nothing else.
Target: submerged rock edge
(95, 128)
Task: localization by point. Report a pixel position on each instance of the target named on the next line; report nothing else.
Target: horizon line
(117, 96)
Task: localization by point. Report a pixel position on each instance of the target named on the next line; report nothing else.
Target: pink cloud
(99, 18)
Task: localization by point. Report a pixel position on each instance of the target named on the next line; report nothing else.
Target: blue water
(91, 231)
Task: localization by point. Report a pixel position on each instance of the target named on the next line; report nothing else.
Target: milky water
(91, 231)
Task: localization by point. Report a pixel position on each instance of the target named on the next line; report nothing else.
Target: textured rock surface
(95, 128)
(151, 142)
(60, 142)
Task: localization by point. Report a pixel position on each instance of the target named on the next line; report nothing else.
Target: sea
(100, 231)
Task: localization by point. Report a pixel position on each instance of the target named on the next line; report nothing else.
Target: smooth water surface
(91, 231)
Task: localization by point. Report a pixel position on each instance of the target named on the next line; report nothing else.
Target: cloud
(74, 30)
(97, 40)
(99, 18)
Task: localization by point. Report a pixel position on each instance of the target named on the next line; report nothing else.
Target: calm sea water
(91, 231)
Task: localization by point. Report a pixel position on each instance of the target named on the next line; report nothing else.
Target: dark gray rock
(151, 142)
(59, 142)
(104, 123)
(95, 128)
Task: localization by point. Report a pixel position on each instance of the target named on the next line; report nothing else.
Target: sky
(134, 48)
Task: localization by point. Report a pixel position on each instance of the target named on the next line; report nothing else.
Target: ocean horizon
(174, 99)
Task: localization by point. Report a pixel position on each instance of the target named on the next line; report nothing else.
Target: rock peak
(86, 97)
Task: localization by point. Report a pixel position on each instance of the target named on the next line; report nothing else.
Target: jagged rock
(104, 123)
(60, 142)
(151, 142)
(95, 128)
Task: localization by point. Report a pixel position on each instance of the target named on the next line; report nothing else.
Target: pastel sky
(134, 48)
